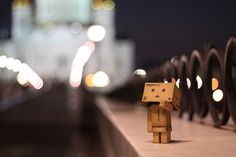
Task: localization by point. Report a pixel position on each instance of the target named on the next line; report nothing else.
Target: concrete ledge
(124, 133)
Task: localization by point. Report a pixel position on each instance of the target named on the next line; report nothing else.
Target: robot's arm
(166, 105)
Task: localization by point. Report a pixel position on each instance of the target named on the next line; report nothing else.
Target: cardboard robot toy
(161, 99)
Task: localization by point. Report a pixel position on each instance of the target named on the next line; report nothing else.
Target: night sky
(5, 19)
(162, 29)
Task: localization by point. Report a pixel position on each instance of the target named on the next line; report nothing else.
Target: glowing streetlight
(10, 63)
(25, 73)
(188, 83)
(177, 82)
(101, 79)
(22, 79)
(3, 61)
(218, 95)
(165, 81)
(140, 72)
(96, 33)
(199, 82)
(82, 56)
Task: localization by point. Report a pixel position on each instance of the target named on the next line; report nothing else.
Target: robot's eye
(163, 90)
(153, 90)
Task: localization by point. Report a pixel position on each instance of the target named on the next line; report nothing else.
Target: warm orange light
(97, 4)
(108, 5)
(103, 4)
(214, 83)
(89, 80)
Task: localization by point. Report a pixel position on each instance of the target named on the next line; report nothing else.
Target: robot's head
(157, 92)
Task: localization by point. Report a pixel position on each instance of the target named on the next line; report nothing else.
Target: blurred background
(57, 55)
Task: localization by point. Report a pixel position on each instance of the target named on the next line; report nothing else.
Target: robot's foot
(161, 137)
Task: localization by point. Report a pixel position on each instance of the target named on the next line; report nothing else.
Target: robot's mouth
(152, 103)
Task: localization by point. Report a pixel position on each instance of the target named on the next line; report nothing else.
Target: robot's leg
(165, 137)
(156, 137)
